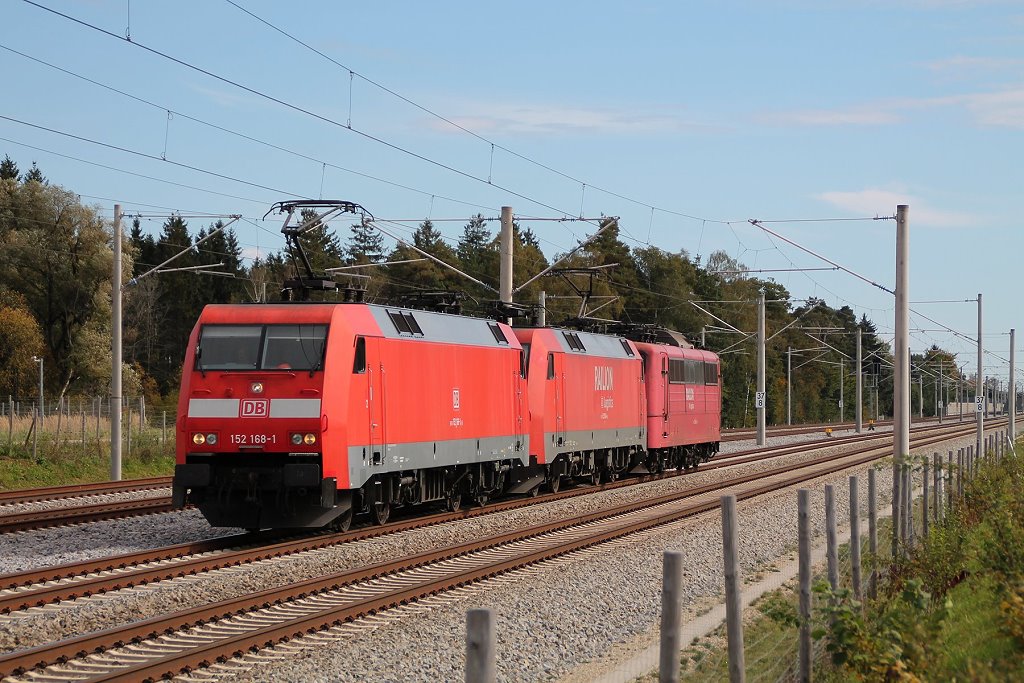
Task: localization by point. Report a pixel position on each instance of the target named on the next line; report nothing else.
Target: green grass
(57, 465)
(974, 645)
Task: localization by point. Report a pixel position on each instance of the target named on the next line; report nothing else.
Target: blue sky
(711, 113)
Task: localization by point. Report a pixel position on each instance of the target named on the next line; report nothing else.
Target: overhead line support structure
(901, 379)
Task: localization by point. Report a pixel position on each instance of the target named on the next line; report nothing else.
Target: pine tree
(475, 248)
(366, 245)
(34, 174)
(427, 237)
(179, 300)
(9, 170)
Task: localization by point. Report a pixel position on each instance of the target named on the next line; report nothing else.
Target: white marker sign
(759, 399)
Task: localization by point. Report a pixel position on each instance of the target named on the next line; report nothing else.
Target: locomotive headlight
(256, 387)
(296, 439)
(309, 439)
(198, 439)
(211, 439)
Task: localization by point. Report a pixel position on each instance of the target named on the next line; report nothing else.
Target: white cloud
(964, 63)
(555, 119)
(882, 202)
(861, 115)
(1003, 108)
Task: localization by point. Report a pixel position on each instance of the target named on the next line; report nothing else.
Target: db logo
(259, 407)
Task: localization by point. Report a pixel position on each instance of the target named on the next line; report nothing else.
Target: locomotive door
(375, 401)
(557, 368)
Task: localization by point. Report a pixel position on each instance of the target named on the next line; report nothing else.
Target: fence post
(924, 497)
(480, 656)
(803, 498)
(937, 485)
(10, 422)
(872, 534)
(908, 509)
(82, 413)
(855, 537)
(671, 617)
(961, 456)
(142, 413)
(733, 604)
(831, 541)
(35, 432)
(949, 479)
(128, 431)
(163, 430)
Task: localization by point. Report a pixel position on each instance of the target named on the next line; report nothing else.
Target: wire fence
(81, 424)
(776, 627)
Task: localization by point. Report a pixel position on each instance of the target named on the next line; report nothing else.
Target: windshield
(261, 347)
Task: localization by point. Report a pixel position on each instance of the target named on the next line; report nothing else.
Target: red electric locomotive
(684, 401)
(296, 415)
(588, 413)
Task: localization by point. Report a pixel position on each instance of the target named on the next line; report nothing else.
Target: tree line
(55, 293)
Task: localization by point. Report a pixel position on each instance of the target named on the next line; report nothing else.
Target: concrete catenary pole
(901, 355)
(789, 385)
(115, 353)
(842, 371)
(920, 395)
(542, 309)
(979, 392)
(760, 371)
(960, 393)
(1011, 395)
(858, 413)
(505, 274)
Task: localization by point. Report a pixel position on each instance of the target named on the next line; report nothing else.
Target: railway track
(13, 519)
(167, 645)
(67, 582)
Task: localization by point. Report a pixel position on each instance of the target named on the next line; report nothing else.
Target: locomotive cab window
(261, 347)
(551, 366)
(229, 347)
(294, 347)
(524, 361)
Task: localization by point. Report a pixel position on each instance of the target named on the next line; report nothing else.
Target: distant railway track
(230, 628)
(77, 490)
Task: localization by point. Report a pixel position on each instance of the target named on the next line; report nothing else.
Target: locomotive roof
(392, 322)
(587, 343)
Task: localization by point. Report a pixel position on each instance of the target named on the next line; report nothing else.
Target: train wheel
(453, 502)
(343, 522)
(380, 512)
(481, 499)
(555, 483)
(595, 476)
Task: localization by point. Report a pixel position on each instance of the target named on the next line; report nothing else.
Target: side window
(676, 372)
(693, 372)
(524, 361)
(359, 365)
(710, 373)
(551, 366)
